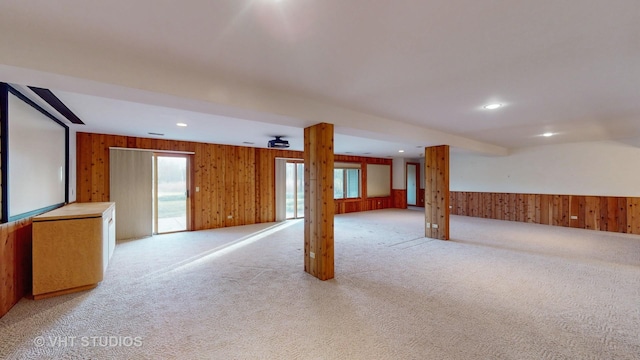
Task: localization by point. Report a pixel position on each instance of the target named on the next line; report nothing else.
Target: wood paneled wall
(357, 205)
(15, 263)
(399, 198)
(364, 203)
(233, 180)
(236, 184)
(604, 213)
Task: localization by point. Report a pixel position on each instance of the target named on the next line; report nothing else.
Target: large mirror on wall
(378, 180)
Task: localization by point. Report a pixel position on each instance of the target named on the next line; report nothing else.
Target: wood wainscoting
(15, 262)
(400, 198)
(363, 203)
(344, 206)
(603, 213)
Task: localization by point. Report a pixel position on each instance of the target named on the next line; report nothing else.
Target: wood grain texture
(604, 213)
(15, 262)
(399, 198)
(233, 181)
(344, 206)
(318, 205)
(364, 203)
(633, 215)
(428, 197)
(437, 195)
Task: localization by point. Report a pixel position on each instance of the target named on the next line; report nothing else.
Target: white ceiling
(390, 75)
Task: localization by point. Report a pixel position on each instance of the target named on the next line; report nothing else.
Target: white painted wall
(398, 174)
(422, 172)
(605, 168)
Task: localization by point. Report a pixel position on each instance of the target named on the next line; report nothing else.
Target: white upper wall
(604, 168)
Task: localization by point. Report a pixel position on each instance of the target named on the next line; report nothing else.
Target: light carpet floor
(497, 290)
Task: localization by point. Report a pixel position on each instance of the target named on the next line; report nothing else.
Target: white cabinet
(109, 238)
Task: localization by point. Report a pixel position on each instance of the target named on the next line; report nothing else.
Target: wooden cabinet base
(64, 292)
(71, 248)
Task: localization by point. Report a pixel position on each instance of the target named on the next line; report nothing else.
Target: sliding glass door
(170, 193)
(294, 190)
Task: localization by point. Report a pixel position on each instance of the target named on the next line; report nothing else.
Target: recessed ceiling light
(548, 134)
(181, 124)
(493, 106)
(400, 151)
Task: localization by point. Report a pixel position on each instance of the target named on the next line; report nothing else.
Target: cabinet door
(105, 243)
(112, 233)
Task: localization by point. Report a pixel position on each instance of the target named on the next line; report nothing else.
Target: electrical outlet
(197, 188)
(312, 255)
(428, 225)
(230, 217)
(435, 226)
(574, 217)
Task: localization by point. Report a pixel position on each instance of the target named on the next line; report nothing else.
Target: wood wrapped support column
(318, 201)
(436, 209)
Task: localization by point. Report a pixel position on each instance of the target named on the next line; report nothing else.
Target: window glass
(346, 183)
(338, 183)
(353, 183)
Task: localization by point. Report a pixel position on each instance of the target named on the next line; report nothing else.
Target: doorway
(412, 183)
(294, 189)
(170, 192)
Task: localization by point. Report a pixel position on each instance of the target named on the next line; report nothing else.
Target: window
(346, 183)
